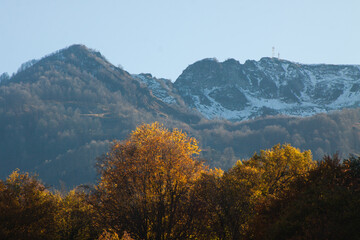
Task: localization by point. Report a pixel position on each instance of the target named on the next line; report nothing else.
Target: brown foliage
(27, 209)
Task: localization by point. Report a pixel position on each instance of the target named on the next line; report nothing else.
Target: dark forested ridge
(59, 113)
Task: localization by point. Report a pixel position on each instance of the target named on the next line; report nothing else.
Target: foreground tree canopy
(30, 211)
(153, 186)
(232, 198)
(146, 183)
(27, 208)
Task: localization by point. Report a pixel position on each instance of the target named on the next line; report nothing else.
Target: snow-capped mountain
(270, 86)
(65, 109)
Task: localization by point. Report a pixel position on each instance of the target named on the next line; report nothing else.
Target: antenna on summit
(273, 52)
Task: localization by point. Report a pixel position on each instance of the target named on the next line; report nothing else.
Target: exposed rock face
(270, 86)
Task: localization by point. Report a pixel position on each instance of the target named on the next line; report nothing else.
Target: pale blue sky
(163, 37)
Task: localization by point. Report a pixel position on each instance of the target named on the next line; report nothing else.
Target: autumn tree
(279, 166)
(75, 216)
(233, 199)
(210, 224)
(27, 208)
(146, 182)
(229, 202)
(322, 205)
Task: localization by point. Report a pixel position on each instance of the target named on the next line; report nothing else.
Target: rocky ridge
(271, 86)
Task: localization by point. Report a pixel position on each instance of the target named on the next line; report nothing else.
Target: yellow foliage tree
(27, 208)
(232, 199)
(228, 200)
(146, 182)
(279, 166)
(75, 217)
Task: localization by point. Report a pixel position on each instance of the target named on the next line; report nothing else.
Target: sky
(163, 37)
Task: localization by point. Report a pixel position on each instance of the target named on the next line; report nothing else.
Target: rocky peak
(240, 91)
(209, 70)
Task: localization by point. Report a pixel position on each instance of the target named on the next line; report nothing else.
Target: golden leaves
(148, 177)
(279, 166)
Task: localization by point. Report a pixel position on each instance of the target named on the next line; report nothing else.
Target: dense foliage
(146, 184)
(324, 204)
(154, 186)
(30, 211)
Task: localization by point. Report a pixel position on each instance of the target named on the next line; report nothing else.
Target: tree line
(154, 185)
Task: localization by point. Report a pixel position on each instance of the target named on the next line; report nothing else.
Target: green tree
(146, 182)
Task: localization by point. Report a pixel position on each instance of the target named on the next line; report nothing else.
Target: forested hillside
(322, 133)
(58, 114)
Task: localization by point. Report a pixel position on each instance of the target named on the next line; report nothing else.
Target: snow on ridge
(285, 66)
(306, 107)
(300, 89)
(156, 88)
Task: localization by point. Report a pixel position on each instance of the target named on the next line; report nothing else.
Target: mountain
(271, 86)
(91, 73)
(59, 113)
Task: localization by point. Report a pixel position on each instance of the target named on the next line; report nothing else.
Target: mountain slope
(270, 86)
(90, 72)
(61, 113)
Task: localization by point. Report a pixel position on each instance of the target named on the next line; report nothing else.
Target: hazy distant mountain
(59, 113)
